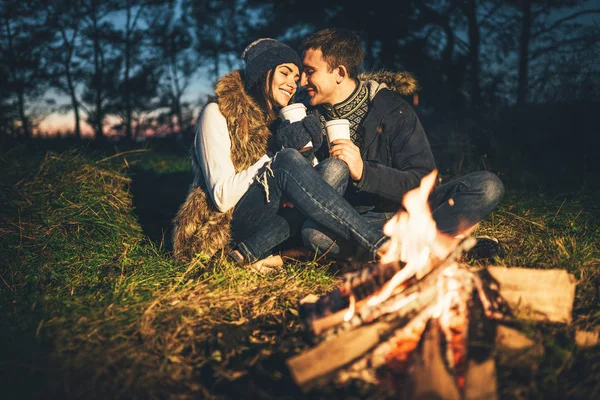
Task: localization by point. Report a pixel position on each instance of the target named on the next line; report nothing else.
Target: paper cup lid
(292, 106)
(337, 122)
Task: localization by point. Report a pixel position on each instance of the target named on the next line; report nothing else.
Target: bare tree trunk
(74, 101)
(76, 112)
(526, 23)
(23, 115)
(21, 90)
(97, 78)
(369, 58)
(387, 53)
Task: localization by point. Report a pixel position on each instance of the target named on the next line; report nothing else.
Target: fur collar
(401, 82)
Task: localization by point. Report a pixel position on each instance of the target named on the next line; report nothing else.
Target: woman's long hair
(262, 92)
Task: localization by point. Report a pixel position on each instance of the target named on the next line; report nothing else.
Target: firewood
(394, 352)
(329, 310)
(308, 367)
(410, 299)
(480, 381)
(429, 375)
(585, 339)
(534, 294)
(515, 349)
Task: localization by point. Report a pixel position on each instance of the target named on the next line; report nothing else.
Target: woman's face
(285, 83)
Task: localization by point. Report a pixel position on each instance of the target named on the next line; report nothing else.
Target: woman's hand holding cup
(294, 113)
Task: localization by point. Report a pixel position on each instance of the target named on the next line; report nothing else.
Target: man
(388, 153)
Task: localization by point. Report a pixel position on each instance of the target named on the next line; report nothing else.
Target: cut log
(306, 368)
(585, 339)
(535, 294)
(393, 352)
(480, 381)
(514, 349)
(429, 375)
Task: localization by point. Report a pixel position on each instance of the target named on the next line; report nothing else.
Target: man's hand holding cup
(340, 146)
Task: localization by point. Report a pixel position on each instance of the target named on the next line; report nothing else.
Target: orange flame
(414, 238)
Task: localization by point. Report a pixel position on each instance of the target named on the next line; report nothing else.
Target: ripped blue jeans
(259, 223)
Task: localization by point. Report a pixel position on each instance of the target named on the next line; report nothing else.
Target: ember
(371, 326)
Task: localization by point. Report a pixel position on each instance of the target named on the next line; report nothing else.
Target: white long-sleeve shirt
(213, 149)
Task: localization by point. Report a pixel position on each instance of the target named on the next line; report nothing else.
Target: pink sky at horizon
(63, 123)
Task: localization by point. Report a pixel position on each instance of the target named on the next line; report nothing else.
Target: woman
(234, 202)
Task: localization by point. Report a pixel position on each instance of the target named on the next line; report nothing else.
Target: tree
(22, 45)
(548, 31)
(223, 28)
(177, 63)
(101, 72)
(65, 68)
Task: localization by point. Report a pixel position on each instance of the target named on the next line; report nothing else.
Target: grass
(93, 306)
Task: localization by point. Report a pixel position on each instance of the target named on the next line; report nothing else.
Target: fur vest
(199, 227)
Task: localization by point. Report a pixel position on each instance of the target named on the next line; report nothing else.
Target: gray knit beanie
(264, 54)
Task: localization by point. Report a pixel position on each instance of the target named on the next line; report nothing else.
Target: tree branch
(563, 20)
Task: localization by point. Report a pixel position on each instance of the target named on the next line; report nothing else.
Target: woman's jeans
(259, 223)
(455, 206)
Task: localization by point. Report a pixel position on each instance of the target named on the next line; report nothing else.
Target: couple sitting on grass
(248, 166)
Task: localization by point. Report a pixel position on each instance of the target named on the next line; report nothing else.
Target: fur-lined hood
(401, 82)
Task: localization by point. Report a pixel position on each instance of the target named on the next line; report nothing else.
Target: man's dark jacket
(396, 151)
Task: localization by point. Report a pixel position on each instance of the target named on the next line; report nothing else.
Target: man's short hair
(339, 47)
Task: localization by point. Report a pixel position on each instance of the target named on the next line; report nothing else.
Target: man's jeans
(259, 225)
(455, 206)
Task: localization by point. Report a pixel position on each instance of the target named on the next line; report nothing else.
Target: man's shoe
(486, 249)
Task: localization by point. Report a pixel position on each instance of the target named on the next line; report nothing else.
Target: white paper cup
(337, 129)
(294, 113)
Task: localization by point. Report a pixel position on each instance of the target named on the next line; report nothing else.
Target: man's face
(285, 82)
(321, 84)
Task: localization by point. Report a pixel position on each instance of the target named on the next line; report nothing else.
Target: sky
(57, 122)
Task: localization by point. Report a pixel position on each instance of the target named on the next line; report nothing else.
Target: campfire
(421, 317)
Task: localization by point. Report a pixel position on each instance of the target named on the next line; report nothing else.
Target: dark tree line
(126, 65)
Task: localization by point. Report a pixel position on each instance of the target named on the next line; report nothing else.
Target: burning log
(348, 306)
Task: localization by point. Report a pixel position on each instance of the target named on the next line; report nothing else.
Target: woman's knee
(289, 156)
